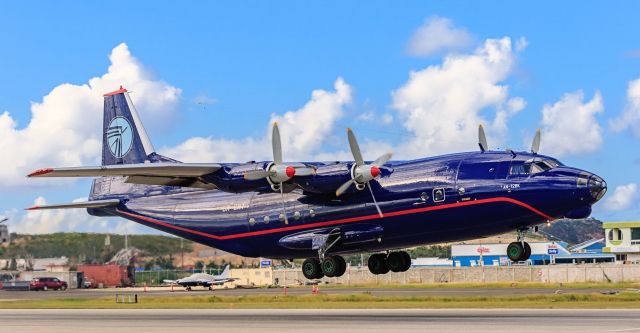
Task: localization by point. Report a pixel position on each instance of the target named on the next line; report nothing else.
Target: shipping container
(109, 275)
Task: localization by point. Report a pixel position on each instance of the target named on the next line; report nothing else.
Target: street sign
(265, 263)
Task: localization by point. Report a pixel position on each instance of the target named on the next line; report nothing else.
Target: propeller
(277, 172)
(4, 219)
(362, 174)
(535, 145)
(482, 139)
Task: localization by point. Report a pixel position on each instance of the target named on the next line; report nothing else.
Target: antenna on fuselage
(535, 145)
(482, 139)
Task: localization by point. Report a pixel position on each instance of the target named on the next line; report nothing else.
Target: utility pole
(181, 253)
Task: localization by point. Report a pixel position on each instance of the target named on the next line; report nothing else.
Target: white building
(623, 240)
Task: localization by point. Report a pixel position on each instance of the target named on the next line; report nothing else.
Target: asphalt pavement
(310, 321)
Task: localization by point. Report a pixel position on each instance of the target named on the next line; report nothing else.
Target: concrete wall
(550, 274)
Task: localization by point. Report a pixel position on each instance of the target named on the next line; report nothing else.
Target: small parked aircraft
(203, 279)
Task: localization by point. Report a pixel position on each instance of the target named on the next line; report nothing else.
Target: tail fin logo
(119, 137)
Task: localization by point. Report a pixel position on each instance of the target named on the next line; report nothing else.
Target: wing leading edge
(170, 174)
(81, 204)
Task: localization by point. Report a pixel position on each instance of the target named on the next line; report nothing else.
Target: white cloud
(303, 132)
(441, 105)
(570, 127)
(65, 127)
(630, 117)
(204, 99)
(622, 198)
(435, 35)
(68, 220)
(521, 44)
(372, 117)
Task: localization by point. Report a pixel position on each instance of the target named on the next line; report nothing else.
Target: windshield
(533, 166)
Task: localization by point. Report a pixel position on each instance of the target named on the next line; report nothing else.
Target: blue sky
(235, 66)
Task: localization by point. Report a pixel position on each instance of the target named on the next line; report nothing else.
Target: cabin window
(424, 196)
(281, 217)
(296, 215)
(266, 219)
(252, 221)
(438, 194)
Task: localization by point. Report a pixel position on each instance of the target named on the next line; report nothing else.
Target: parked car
(46, 283)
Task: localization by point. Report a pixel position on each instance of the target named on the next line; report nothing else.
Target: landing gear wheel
(527, 251)
(407, 261)
(331, 266)
(396, 261)
(517, 252)
(342, 266)
(311, 269)
(378, 264)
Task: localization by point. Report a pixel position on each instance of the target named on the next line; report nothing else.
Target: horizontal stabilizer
(81, 204)
(142, 169)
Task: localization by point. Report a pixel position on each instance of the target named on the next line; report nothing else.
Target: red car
(46, 283)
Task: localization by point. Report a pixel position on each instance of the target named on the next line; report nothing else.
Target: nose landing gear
(519, 250)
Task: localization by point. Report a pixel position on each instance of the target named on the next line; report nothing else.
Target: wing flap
(169, 181)
(82, 204)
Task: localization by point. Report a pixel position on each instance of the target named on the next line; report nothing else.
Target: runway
(95, 293)
(361, 320)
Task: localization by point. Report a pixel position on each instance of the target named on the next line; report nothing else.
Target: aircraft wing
(170, 282)
(170, 174)
(81, 204)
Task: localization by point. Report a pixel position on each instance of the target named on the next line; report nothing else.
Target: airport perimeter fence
(156, 277)
(487, 274)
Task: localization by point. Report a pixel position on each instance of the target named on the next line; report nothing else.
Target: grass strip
(359, 301)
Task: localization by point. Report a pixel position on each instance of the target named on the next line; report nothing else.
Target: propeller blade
(344, 187)
(482, 139)
(355, 149)
(535, 145)
(255, 174)
(382, 159)
(374, 200)
(284, 210)
(304, 171)
(277, 145)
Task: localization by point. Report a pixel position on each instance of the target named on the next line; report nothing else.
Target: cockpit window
(533, 166)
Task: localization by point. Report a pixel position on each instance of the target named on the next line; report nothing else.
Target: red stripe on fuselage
(340, 221)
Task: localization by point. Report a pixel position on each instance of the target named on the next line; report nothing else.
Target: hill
(90, 247)
(575, 231)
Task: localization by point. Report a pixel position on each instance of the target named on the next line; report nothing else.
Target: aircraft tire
(343, 266)
(311, 269)
(331, 266)
(377, 264)
(407, 261)
(527, 252)
(396, 261)
(516, 252)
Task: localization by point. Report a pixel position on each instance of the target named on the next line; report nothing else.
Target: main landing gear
(519, 250)
(330, 266)
(381, 263)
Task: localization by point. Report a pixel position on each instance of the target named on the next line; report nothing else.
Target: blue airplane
(320, 211)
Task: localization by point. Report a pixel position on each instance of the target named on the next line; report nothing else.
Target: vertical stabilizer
(124, 139)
